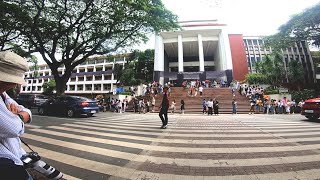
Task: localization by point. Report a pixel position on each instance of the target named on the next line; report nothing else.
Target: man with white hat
(12, 117)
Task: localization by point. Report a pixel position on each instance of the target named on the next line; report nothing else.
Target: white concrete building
(200, 46)
(94, 76)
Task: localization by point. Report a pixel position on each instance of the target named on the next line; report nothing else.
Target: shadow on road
(311, 120)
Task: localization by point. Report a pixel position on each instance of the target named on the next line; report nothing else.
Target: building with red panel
(205, 50)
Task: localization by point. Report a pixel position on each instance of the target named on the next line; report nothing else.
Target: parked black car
(31, 100)
(70, 106)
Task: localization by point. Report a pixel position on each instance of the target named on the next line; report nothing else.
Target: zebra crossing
(132, 146)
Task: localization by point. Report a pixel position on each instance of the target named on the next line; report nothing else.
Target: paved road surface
(131, 146)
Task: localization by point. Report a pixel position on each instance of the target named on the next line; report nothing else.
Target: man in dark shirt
(164, 108)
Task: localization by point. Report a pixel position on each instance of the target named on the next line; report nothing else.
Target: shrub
(124, 93)
(304, 94)
(271, 90)
(256, 78)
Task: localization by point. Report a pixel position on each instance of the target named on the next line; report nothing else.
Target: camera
(32, 160)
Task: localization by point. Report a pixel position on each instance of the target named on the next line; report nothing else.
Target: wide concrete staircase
(194, 104)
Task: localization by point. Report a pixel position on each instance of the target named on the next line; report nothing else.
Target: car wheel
(41, 111)
(70, 113)
(90, 114)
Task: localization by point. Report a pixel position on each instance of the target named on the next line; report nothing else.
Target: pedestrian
(215, 106)
(153, 103)
(201, 90)
(13, 117)
(182, 108)
(285, 105)
(148, 105)
(204, 105)
(141, 106)
(210, 106)
(163, 114)
(234, 106)
(173, 106)
(252, 104)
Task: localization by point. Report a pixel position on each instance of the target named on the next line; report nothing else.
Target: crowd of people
(261, 103)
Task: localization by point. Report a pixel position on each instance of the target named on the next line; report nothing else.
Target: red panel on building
(239, 58)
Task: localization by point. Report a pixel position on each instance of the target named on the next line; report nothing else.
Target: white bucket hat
(12, 68)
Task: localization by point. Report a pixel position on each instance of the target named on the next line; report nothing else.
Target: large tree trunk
(60, 85)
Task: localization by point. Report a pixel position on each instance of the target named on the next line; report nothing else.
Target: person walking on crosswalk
(163, 114)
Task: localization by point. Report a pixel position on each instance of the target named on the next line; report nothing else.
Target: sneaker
(165, 127)
(161, 127)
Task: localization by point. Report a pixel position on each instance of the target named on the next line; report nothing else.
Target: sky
(248, 17)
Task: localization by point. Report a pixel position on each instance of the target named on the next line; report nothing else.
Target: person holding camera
(12, 117)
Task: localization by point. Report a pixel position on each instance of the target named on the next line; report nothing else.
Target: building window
(80, 78)
(98, 69)
(73, 79)
(98, 78)
(97, 87)
(107, 77)
(89, 78)
(80, 87)
(88, 87)
(106, 87)
(258, 58)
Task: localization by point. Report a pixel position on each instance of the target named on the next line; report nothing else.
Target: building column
(180, 54)
(158, 60)
(201, 56)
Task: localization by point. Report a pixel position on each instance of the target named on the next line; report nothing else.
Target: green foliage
(272, 69)
(301, 27)
(77, 30)
(256, 78)
(303, 95)
(49, 87)
(124, 93)
(271, 90)
(137, 70)
(295, 73)
(13, 92)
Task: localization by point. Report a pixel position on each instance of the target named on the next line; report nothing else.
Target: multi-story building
(205, 50)
(95, 76)
(256, 51)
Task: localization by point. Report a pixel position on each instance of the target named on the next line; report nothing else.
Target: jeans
(164, 112)
(234, 109)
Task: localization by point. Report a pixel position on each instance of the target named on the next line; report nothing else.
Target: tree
(49, 87)
(256, 78)
(272, 67)
(139, 68)
(295, 73)
(68, 32)
(304, 26)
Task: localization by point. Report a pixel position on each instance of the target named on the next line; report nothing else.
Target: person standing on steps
(182, 108)
(204, 105)
(215, 106)
(173, 106)
(210, 105)
(163, 114)
(234, 106)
